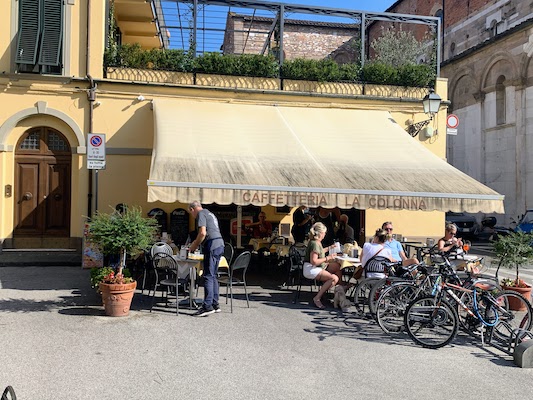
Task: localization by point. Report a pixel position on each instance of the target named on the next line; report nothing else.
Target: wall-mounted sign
(452, 122)
(95, 151)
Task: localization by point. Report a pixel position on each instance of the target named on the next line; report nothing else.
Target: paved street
(57, 344)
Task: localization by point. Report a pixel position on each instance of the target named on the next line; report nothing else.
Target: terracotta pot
(515, 305)
(117, 298)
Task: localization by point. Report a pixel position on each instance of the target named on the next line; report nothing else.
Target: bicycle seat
(485, 285)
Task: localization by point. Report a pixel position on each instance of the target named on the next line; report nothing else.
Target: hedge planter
(117, 298)
(341, 88)
(149, 75)
(237, 82)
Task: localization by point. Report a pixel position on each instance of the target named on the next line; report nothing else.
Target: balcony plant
(121, 232)
(514, 251)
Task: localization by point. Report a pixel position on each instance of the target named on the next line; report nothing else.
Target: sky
(359, 5)
(214, 18)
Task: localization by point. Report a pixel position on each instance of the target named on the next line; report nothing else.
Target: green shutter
(52, 33)
(29, 29)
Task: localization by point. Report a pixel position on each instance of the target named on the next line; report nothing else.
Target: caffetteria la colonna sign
(332, 200)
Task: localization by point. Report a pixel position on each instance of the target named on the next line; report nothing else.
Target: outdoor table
(190, 267)
(281, 249)
(346, 261)
(259, 243)
(418, 247)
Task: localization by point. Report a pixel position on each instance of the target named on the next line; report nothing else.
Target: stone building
(487, 48)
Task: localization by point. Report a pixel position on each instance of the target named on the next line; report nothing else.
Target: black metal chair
(166, 267)
(9, 394)
(239, 266)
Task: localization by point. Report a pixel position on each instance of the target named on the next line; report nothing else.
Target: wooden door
(42, 184)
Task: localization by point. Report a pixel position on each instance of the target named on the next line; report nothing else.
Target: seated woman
(374, 253)
(319, 266)
(449, 242)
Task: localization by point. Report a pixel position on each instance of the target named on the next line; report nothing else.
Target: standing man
(302, 221)
(396, 247)
(213, 247)
(345, 234)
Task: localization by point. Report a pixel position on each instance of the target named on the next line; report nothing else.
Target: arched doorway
(42, 186)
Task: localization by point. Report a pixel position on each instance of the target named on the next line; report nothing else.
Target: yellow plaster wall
(128, 125)
(414, 225)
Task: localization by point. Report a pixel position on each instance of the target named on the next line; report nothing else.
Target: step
(39, 257)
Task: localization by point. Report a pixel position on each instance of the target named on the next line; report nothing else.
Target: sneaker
(202, 312)
(217, 308)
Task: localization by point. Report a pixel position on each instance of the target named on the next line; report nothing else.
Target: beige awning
(221, 152)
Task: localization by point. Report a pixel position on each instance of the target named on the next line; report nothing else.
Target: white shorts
(310, 271)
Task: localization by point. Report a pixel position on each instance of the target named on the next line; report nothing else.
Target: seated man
(261, 228)
(396, 247)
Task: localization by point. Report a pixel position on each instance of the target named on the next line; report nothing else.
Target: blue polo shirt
(395, 249)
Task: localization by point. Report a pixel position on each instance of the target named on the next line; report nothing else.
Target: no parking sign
(96, 151)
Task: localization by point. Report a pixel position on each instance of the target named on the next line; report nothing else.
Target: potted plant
(514, 251)
(120, 232)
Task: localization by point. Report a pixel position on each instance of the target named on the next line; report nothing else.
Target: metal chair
(228, 255)
(228, 252)
(294, 263)
(9, 394)
(240, 265)
(164, 264)
(161, 247)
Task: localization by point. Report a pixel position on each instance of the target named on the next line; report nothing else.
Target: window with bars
(40, 36)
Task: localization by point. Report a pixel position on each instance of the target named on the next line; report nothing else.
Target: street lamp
(431, 103)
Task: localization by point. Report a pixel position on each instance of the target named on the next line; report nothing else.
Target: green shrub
(379, 73)
(325, 70)
(238, 65)
(417, 75)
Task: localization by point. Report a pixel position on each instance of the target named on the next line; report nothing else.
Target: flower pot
(117, 298)
(514, 304)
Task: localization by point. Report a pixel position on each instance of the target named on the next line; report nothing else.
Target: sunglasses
(388, 229)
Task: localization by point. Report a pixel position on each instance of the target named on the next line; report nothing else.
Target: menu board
(160, 216)
(92, 256)
(179, 226)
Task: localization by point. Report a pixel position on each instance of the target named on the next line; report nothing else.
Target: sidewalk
(57, 344)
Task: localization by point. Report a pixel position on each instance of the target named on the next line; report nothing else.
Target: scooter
(490, 231)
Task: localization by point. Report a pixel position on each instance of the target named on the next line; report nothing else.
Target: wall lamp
(431, 104)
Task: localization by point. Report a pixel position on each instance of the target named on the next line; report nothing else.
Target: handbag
(375, 263)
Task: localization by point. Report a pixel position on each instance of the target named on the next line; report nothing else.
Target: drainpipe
(91, 94)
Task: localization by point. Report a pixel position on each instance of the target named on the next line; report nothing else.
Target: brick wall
(305, 40)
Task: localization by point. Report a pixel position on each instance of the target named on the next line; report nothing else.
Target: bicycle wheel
(514, 314)
(378, 288)
(429, 324)
(392, 303)
(468, 322)
(361, 293)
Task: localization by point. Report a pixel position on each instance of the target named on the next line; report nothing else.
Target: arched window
(500, 100)
(439, 14)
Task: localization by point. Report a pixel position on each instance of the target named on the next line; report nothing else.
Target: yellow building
(172, 138)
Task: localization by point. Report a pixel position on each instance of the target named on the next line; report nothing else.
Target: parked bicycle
(432, 322)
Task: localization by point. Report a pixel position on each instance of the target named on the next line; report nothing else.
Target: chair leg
(230, 296)
(246, 293)
(227, 291)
